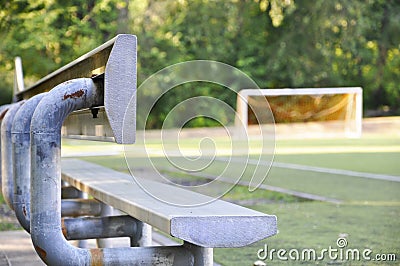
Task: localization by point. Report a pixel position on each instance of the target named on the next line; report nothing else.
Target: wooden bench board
(215, 224)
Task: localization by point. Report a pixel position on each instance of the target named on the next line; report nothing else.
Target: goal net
(335, 108)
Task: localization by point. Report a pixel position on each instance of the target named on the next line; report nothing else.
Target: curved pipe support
(46, 231)
(21, 146)
(7, 181)
(3, 111)
(47, 120)
(20, 138)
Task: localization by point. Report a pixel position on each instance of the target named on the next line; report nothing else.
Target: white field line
(321, 170)
(88, 153)
(337, 171)
(285, 191)
(116, 150)
(263, 186)
(334, 149)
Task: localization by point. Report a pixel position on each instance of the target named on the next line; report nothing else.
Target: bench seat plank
(216, 224)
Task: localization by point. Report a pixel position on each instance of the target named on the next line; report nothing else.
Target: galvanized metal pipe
(46, 231)
(3, 111)
(7, 181)
(202, 256)
(83, 243)
(99, 227)
(144, 237)
(21, 145)
(69, 192)
(80, 207)
(141, 238)
(18, 77)
(106, 210)
(143, 256)
(20, 138)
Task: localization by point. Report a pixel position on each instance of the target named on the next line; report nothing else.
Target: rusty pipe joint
(45, 223)
(46, 228)
(20, 138)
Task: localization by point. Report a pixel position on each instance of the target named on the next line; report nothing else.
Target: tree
(48, 34)
(334, 43)
(278, 43)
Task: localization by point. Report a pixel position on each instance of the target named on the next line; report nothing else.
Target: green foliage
(49, 34)
(278, 43)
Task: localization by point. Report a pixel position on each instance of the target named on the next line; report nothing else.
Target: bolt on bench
(88, 99)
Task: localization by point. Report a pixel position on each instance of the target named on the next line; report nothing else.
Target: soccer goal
(341, 107)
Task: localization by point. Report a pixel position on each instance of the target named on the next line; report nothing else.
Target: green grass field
(368, 216)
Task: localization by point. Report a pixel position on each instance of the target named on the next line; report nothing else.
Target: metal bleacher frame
(88, 99)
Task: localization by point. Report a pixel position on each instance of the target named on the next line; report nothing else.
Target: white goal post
(352, 105)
